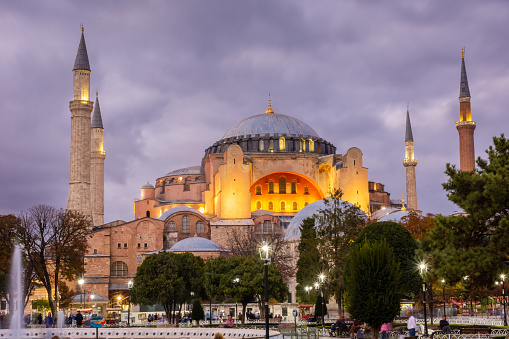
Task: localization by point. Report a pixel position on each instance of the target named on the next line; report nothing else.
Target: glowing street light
(265, 250)
(423, 269)
(81, 282)
(129, 286)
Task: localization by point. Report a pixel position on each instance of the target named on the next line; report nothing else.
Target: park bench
(480, 331)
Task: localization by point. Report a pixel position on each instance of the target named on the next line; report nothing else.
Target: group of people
(412, 325)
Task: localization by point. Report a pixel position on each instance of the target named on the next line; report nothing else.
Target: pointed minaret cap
(81, 62)
(408, 133)
(269, 110)
(97, 121)
(464, 90)
(403, 208)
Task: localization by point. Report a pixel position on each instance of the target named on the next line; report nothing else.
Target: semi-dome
(195, 244)
(177, 209)
(270, 125)
(293, 230)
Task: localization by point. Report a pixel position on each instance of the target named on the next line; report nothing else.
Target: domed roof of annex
(196, 244)
(193, 170)
(395, 216)
(270, 124)
(293, 230)
(171, 211)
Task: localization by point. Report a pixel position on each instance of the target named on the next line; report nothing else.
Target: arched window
(271, 145)
(187, 184)
(282, 144)
(267, 226)
(258, 190)
(186, 224)
(148, 214)
(260, 145)
(283, 206)
(200, 227)
(294, 187)
(311, 146)
(282, 185)
(118, 269)
(258, 228)
(258, 205)
(306, 190)
(271, 205)
(271, 187)
(294, 205)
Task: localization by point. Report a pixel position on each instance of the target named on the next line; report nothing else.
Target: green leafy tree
(372, 281)
(307, 264)
(474, 244)
(403, 245)
(221, 272)
(54, 242)
(197, 313)
(338, 226)
(167, 279)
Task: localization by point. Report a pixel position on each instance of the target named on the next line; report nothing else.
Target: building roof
(178, 209)
(88, 297)
(395, 216)
(383, 212)
(293, 230)
(147, 185)
(196, 244)
(464, 90)
(408, 135)
(81, 62)
(187, 171)
(270, 124)
(232, 222)
(97, 120)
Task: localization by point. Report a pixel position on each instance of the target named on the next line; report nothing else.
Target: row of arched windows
(282, 187)
(282, 145)
(270, 205)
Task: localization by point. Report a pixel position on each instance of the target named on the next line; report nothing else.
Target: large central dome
(270, 125)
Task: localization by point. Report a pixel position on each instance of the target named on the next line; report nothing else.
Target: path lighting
(423, 268)
(129, 285)
(443, 294)
(502, 276)
(236, 282)
(264, 250)
(321, 279)
(81, 282)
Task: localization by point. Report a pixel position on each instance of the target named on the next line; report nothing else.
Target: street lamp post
(81, 282)
(321, 278)
(503, 297)
(129, 285)
(423, 269)
(443, 295)
(236, 281)
(265, 256)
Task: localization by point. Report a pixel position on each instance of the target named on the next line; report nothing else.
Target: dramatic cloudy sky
(174, 76)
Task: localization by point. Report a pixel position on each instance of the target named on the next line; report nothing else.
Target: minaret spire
(97, 121)
(410, 162)
(81, 62)
(97, 156)
(466, 125)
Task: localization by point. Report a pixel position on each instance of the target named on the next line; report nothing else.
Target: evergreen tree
(318, 306)
(197, 313)
(371, 279)
(308, 265)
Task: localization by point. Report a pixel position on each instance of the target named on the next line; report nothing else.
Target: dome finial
(463, 52)
(269, 110)
(403, 208)
(82, 28)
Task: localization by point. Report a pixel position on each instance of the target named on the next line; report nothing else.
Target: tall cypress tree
(308, 264)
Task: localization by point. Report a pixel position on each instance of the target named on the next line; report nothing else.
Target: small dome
(293, 230)
(395, 216)
(147, 186)
(177, 209)
(193, 170)
(376, 215)
(270, 124)
(195, 244)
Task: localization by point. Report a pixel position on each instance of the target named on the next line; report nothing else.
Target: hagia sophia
(265, 174)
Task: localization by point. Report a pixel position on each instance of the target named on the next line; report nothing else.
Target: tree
(308, 264)
(418, 225)
(220, 273)
(372, 284)
(54, 242)
(337, 227)
(197, 312)
(403, 245)
(474, 244)
(318, 307)
(167, 279)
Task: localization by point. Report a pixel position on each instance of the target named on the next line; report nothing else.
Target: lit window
(258, 190)
(200, 227)
(306, 190)
(271, 206)
(283, 206)
(311, 146)
(258, 205)
(294, 187)
(186, 224)
(302, 145)
(294, 205)
(118, 269)
(282, 185)
(271, 187)
(282, 144)
(271, 145)
(260, 145)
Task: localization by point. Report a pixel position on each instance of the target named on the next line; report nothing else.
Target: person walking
(79, 319)
(385, 330)
(412, 325)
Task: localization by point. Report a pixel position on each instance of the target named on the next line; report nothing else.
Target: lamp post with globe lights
(264, 250)
(443, 295)
(423, 269)
(129, 286)
(236, 282)
(81, 282)
(502, 276)
(321, 279)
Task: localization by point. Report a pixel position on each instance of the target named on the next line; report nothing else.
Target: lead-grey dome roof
(195, 244)
(193, 170)
(270, 124)
(178, 209)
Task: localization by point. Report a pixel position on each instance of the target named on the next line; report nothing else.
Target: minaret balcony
(409, 162)
(465, 123)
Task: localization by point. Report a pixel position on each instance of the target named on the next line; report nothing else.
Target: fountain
(16, 293)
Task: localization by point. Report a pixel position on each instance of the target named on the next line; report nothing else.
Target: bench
(476, 330)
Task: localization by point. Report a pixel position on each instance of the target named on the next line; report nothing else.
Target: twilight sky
(174, 76)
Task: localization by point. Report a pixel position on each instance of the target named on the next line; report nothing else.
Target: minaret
(97, 157)
(465, 126)
(409, 162)
(80, 107)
